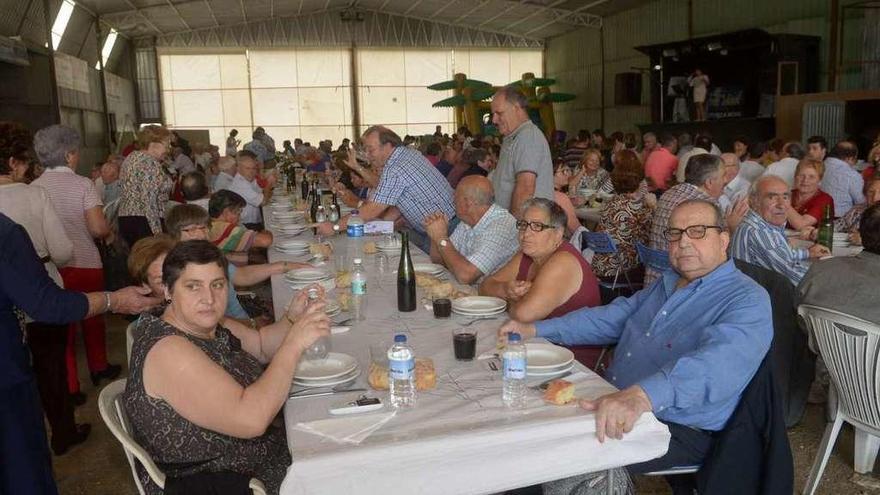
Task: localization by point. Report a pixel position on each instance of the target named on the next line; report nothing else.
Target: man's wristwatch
(444, 242)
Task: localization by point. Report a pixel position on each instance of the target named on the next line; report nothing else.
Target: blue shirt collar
(670, 277)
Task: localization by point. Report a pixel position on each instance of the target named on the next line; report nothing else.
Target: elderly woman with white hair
(79, 207)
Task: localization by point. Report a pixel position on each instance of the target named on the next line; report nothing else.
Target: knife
(297, 395)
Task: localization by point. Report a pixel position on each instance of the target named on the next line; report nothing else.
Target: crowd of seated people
(499, 213)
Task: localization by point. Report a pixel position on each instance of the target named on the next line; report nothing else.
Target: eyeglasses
(692, 231)
(521, 226)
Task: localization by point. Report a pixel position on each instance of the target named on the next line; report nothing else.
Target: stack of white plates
(287, 216)
(291, 230)
(429, 268)
(547, 360)
(335, 369)
(475, 306)
(308, 275)
(292, 247)
(280, 206)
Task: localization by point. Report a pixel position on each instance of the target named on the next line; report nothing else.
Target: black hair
(190, 252)
(869, 229)
(222, 200)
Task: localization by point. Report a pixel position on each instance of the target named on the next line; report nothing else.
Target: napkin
(352, 429)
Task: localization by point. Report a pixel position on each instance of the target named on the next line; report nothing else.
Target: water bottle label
(358, 287)
(401, 369)
(514, 368)
(355, 230)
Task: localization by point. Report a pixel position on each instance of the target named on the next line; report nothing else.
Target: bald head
(227, 164)
(473, 197)
(476, 188)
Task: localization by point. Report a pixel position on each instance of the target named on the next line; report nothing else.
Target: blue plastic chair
(603, 243)
(653, 258)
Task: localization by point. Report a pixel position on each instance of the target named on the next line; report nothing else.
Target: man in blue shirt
(687, 345)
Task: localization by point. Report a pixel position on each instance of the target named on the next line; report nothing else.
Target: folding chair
(110, 407)
(603, 243)
(653, 258)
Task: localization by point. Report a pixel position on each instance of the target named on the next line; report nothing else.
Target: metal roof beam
(596, 20)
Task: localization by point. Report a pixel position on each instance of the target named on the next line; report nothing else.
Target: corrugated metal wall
(574, 58)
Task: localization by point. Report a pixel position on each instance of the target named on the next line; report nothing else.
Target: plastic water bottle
(401, 373)
(358, 288)
(355, 225)
(514, 366)
(355, 231)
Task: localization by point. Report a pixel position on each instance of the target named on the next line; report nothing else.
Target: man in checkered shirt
(408, 182)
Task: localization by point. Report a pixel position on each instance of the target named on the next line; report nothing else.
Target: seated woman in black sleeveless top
(199, 398)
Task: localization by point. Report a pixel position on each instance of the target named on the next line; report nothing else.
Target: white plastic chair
(110, 407)
(851, 349)
(129, 339)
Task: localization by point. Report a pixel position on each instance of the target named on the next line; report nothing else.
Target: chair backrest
(850, 347)
(653, 258)
(129, 339)
(110, 407)
(599, 242)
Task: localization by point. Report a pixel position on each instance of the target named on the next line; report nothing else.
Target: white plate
(478, 304)
(474, 314)
(308, 274)
(542, 356)
(328, 284)
(332, 307)
(552, 372)
(429, 268)
(389, 246)
(335, 365)
(292, 245)
(329, 382)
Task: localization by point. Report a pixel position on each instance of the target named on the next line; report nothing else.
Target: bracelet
(107, 302)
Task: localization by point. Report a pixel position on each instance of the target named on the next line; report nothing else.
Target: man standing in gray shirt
(525, 169)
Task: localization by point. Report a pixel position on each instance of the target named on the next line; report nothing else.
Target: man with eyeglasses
(687, 346)
(760, 238)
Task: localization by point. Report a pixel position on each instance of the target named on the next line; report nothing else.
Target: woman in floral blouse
(591, 175)
(625, 217)
(144, 186)
(849, 222)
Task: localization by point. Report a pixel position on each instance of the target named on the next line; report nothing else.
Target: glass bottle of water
(320, 216)
(514, 367)
(333, 216)
(358, 289)
(401, 373)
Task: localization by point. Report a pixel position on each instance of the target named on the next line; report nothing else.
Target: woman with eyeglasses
(548, 277)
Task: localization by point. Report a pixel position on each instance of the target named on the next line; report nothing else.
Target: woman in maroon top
(808, 202)
(548, 277)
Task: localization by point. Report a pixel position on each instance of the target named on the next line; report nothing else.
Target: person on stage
(699, 82)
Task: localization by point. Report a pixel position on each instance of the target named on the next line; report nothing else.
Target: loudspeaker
(628, 88)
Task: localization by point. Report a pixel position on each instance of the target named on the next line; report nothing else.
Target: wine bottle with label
(406, 278)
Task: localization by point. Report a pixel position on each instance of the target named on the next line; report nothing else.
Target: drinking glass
(319, 349)
(381, 263)
(464, 343)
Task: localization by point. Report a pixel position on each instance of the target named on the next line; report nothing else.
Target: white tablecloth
(459, 438)
(836, 250)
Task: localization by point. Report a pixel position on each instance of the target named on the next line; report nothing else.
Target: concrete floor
(99, 467)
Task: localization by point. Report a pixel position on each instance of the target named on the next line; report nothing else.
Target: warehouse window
(107, 49)
(61, 20)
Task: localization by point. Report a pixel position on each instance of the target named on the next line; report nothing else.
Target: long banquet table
(459, 438)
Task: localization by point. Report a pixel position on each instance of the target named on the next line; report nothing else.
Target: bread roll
(370, 247)
(426, 378)
(559, 392)
(343, 279)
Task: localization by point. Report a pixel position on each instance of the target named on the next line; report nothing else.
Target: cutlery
(543, 385)
(493, 365)
(343, 322)
(471, 322)
(299, 395)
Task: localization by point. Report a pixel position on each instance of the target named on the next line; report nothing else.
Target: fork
(471, 322)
